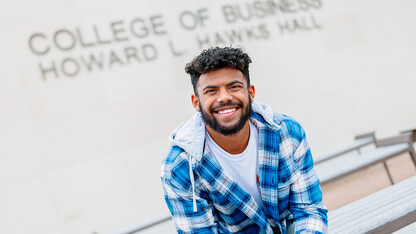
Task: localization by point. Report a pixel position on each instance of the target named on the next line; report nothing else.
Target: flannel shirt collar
(220, 181)
(224, 184)
(190, 135)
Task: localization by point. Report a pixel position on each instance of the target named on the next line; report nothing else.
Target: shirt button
(284, 180)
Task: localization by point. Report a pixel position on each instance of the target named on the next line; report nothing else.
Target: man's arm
(305, 196)
(179, 198)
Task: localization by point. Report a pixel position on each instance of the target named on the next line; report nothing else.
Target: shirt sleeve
(305, 198)
(179, 198)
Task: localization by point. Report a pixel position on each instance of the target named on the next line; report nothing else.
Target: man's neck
(235, 143)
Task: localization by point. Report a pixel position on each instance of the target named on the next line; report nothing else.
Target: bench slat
(382, 196)
(367, 210)
(382, 212)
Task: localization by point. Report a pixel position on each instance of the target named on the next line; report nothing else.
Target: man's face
(224, 100)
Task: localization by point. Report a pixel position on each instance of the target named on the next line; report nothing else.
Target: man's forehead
(222, 75)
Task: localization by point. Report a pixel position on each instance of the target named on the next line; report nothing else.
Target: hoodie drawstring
(191, 175)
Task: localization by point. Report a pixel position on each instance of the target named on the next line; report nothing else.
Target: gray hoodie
(190, 136)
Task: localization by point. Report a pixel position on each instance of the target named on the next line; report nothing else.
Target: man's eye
(210, 91)
(235, 87)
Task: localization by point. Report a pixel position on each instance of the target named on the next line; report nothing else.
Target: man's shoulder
(174, 160)
(265, 114)
(174, 153)
(289, 125)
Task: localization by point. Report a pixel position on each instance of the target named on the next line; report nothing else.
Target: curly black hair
(216, 58)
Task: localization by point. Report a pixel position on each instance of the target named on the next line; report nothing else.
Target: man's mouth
(227, 111)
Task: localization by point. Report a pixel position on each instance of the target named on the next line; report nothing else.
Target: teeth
(226, 111)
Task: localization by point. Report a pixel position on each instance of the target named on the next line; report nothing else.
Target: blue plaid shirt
(202, 197)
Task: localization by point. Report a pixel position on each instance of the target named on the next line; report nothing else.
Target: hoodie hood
(190, 135)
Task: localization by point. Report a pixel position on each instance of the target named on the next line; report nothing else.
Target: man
(236, 166)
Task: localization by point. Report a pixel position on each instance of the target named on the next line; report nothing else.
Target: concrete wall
(90, 90)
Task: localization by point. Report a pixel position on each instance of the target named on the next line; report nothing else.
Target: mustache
(230, 104)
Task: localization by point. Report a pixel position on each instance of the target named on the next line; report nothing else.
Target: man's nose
(224, 97)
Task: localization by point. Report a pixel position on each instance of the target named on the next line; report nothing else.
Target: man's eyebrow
(231, 83)
(209, 87)
(235, 82)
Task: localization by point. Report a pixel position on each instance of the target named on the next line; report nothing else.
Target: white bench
(411, 131)
(386, 149)
(382, 212)
(360, 141)
(148, 224)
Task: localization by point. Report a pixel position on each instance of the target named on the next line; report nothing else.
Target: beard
(213, 123)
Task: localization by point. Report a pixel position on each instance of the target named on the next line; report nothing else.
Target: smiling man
(236, 166)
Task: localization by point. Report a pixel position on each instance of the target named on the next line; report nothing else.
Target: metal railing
(145, 224)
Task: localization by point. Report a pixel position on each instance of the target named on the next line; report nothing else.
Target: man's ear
(252, 92)
(195, 102)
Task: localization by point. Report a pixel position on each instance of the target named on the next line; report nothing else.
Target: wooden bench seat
(382, 212)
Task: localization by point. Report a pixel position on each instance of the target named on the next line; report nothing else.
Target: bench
(360, 141)
(411, 131)
(148, 224)
(382, 212)
(386, 149)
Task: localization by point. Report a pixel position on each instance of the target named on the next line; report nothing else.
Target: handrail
(145, 224)
(356, 145)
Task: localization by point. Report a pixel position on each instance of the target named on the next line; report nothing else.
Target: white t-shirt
(242, 168)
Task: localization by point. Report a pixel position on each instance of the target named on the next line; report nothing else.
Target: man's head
(223, 93)
(216, 58)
